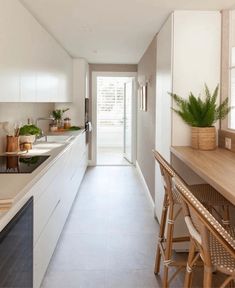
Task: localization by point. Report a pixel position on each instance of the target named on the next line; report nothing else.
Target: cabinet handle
(54, 209)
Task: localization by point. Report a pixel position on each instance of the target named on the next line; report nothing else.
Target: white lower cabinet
(52, 207)
(46, 245)
(47, 192)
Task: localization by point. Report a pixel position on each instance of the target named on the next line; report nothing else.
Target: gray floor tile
(132, 221)
(80, 252)
(75, 279)
(87, 221)
(131, 251)
(131, 279)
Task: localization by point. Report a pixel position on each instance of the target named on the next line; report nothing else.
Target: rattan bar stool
(210, 241)
(204, 192)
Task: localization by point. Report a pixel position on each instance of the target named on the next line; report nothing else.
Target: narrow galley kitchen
(92, 155)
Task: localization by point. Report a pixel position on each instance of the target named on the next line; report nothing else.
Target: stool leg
(207, 278)
(169, 244)
(229, 282)
(190, 262)
(161, 235)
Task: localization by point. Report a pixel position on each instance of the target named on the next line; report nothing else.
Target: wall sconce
(143, 80)
(143, 84)
(143, 89)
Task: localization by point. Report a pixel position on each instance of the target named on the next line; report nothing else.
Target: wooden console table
(216, 167)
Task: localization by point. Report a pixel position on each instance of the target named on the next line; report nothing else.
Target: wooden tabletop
(216, 167)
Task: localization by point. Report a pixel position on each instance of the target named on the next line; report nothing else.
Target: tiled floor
(110, 156)
(110, 237)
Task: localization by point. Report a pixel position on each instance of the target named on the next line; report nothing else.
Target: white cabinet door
(9, 85)
(45, 206)
(27, 87)
(45, 246)
(43, 88)
(47, 191)
(33, 67)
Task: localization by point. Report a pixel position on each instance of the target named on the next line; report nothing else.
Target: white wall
(163, 104)
(146, 120)
(196, 60)
(232, 27)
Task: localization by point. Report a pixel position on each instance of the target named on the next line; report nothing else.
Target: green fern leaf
(198, 112)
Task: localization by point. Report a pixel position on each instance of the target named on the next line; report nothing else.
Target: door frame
(124, 123)
(96, 74)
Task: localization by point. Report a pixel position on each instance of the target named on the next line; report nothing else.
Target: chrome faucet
(43, 119)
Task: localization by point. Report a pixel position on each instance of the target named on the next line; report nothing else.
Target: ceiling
(108, 31)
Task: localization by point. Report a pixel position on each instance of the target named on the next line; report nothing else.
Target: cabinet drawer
(80, 170)
(45, 206)
(79, 146)
(73, 185)
(77, 151)
(48, 194)
(82, 143)
(40, 187)
(46, 244)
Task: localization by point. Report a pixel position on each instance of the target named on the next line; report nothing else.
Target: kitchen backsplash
(13, 112)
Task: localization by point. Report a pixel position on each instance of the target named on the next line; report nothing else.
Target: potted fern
(201, 115)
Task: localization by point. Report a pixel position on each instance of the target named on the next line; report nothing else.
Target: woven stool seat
(220, 257)
(207, 195)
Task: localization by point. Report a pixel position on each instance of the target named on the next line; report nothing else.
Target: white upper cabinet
(80, 92)
(33, 66)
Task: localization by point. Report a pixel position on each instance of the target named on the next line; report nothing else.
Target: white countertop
(15, 188)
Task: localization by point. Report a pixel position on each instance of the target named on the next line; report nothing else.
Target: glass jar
(67, 123)
(53, 127)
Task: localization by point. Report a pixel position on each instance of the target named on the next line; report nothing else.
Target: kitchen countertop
(15, 188)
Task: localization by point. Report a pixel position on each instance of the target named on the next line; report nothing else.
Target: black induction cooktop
(21, 163)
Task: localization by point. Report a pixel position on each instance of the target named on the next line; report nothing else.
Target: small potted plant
(201, 115)
(28, 134)
(58, 116)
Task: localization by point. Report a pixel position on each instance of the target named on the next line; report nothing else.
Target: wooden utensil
(12, 144)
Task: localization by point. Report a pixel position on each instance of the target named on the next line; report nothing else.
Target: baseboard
(147, 192)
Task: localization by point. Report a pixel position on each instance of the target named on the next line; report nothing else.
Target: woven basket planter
(26, 141)
(27, 138)
(204, 138)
